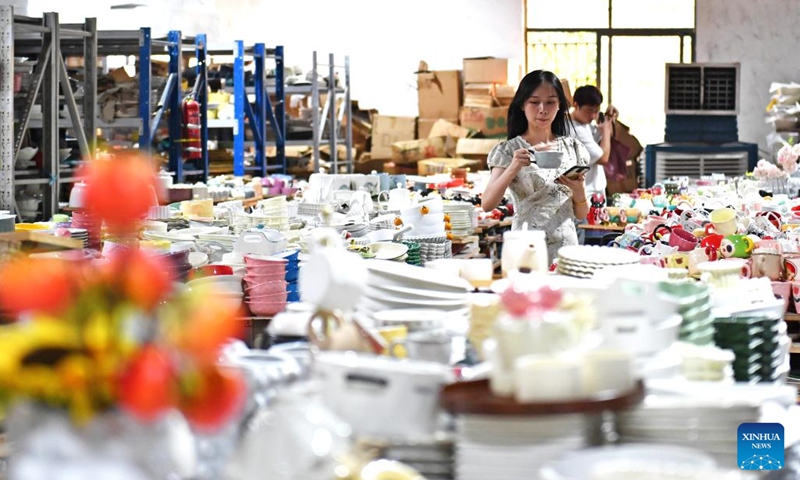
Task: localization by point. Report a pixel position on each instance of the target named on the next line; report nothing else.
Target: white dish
(404, 275)
(584, 464)
(382, 297)
(388, 250)
(420, 293)
(595, 255)
(198, 231)
(198, 259)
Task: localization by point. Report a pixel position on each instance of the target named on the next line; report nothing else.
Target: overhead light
(127, 6)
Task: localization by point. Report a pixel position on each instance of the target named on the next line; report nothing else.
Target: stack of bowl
(91, 223)
(178, 264)
(220, 282)
(265, 284)
(292, 273)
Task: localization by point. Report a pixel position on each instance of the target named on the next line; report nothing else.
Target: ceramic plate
(404, 275)
(598, 255)
(388, 250)
(420, 293)
(583, 464)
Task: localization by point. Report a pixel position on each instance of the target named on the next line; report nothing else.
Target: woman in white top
(538, 119)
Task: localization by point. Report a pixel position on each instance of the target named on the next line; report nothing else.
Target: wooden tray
(477, 398)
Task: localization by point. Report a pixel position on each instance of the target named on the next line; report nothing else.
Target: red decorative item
(192, 145)
(596, 211)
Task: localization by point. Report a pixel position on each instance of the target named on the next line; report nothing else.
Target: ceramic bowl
(266, 289)
(258, 307)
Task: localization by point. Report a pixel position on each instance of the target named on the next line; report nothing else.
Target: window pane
(687, 49)
(605, 68)
(652, 14)
(567, 14)
(638, 75)
(571, 56)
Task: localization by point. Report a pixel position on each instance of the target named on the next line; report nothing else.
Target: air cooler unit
(701, 132)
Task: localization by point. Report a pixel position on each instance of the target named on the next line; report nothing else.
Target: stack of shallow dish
(432, 247)
(710, 425)
(92, 224)
(511, 448)
(394, 285)
(356, 230)
(460, 218)
(756, 343)
(694, 307)
(413, 256)
(397, 252)
(583, 261)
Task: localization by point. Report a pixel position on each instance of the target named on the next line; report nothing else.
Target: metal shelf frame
(259, 114)
(331, 117)
(46, 40)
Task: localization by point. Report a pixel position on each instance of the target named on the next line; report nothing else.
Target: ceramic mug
(738, 246)
(677, 260)
(684, 240)
(767, 264)
(791, 266)
(724, 220)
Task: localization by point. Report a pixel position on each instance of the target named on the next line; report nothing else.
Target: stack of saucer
(693, 300)
(460, 214)
(91, 224)
(413, 255)
(583, 261)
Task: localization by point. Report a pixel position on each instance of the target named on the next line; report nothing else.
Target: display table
(595, 233)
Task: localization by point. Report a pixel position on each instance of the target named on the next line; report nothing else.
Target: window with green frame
(620, 46)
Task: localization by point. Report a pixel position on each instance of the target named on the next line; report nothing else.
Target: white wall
(762, 36)
(385, 39)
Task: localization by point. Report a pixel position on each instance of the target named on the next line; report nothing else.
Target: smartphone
(601, 117)
(576, 171)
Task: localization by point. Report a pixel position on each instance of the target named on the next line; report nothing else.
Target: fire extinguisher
(192, 146)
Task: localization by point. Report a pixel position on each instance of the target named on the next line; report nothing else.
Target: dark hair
(587, 95)
(518, 123)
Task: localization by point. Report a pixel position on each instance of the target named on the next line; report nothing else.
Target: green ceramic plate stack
(754, 340)
(414, 257)
(692, 298)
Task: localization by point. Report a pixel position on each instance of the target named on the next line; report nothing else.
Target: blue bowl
(290, 255)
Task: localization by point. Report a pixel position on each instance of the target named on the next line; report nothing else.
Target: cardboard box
(439, 93)
(415, 150)
(504, 94)
(449, 128)
(485, 70)
(387, 130)
(491, 122)
(424, 126)
(394, 169)
(475, 148)
(432, 166)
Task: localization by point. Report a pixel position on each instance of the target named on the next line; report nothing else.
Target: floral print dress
(538, 200)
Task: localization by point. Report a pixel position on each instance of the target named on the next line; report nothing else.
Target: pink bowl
(255, 279)
(266, 308)
(265, 289)
(258, 260)
(269, 297)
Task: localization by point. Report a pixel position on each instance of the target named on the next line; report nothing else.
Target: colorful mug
(737, 246)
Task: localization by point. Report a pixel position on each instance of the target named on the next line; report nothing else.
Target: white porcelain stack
(583, 261)
(393, 285)
(514, 447)
(271, 213)
(709, 425)
(460, 218)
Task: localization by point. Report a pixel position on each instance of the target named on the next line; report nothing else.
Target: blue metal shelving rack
(260, 114)
(171, 98)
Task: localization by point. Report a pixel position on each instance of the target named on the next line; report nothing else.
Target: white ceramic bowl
(218, 283)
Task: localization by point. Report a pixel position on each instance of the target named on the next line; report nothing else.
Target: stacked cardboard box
(487, 96)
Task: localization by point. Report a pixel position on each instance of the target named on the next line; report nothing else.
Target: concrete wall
(761, 36)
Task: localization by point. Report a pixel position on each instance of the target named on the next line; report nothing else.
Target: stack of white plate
(394, 285)
(706, 424)
(460, 218)
(512, 448)
(583, 261)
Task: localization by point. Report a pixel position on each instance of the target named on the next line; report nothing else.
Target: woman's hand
(575, 185)
(521, 158)
(612, 112)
